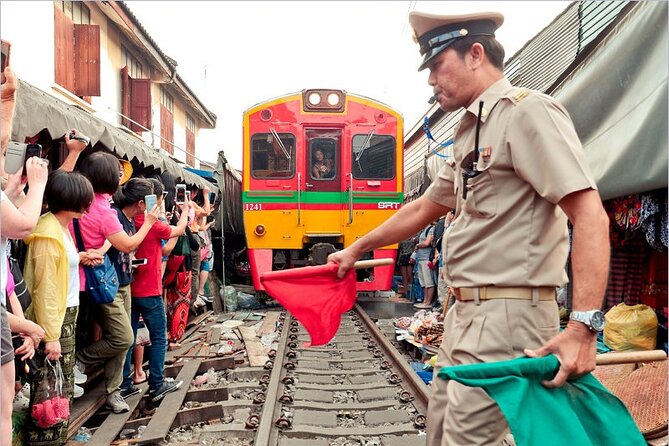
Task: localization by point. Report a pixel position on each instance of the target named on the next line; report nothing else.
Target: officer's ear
(477, 55)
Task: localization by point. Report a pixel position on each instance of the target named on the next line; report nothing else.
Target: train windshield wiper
(283, 148)
(364, 147)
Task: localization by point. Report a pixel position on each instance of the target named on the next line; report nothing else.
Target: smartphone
(31, 150)
(80, 137)
(16, 152)
(151, 201)
(139, 262)
(5, 57)
(187, 195)
(180, 194)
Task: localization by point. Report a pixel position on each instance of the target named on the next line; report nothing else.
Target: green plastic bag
(582, 412)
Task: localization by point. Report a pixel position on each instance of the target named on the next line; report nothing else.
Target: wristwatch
(594, 319)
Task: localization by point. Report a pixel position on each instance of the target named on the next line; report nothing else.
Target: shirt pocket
(481, 198)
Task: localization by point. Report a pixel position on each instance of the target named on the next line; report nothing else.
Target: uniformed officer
(519, 174)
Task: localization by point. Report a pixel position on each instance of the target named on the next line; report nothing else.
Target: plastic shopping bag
(51, 405)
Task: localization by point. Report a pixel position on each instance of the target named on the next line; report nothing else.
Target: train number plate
(253, 206)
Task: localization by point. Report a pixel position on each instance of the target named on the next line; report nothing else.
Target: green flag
(580, 413)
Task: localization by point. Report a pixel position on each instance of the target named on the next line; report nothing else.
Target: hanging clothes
(653, 219)
(626, 273)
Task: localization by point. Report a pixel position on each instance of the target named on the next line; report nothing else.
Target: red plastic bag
(314, 296)
(51, 405)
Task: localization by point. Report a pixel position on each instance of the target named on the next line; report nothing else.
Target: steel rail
(272, 404)
(417, 386)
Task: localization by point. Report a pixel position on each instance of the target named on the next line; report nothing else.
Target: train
(321, 167)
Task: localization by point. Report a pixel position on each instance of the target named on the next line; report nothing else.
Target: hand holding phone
(75, 135)
(151, 201)
(18, 155)
(180, 194)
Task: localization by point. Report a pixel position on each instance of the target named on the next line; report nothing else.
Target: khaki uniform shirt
(509, 230)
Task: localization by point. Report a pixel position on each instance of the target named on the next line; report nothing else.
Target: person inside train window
(322, 167)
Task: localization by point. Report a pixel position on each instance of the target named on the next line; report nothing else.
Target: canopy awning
(37, 110)
(617, 98)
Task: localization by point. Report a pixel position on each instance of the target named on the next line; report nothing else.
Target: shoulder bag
(101, 280)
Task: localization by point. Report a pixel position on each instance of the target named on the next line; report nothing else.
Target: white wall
(29, 27)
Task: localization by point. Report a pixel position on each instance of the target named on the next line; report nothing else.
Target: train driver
(321, 167)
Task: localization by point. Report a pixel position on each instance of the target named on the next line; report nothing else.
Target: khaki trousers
(117, 338)
(495, 330)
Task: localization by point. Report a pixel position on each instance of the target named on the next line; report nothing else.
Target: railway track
(357, 390)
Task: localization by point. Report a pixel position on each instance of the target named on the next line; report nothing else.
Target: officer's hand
(575, 348)
(345, 259)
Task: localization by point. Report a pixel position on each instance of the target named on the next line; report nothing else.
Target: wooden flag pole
(631, 357)
(361, 264)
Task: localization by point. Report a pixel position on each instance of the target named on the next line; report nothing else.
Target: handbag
(50, 403)
(181, 248)
(101, 280)
(20, 287)
(194, 240)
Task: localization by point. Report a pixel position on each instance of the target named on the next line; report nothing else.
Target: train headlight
(314, 98)
(259, 230)
(333, 99)
(324, 101)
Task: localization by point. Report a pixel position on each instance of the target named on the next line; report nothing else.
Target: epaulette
(519, 95)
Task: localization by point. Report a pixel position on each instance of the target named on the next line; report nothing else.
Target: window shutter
(87, 60)
(125, 96)
(190, 148)
(166, 129)
(63, 49)
(140, 104)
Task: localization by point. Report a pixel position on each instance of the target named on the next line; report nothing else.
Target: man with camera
(519, 175)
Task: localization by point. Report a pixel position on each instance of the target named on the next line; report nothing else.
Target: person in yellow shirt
(51, 273)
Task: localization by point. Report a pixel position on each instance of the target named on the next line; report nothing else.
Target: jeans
(152, 311)
(117, 336)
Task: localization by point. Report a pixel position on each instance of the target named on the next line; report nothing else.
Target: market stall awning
(617, 98)
(37, 110)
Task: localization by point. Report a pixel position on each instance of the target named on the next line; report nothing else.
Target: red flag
(314, 296)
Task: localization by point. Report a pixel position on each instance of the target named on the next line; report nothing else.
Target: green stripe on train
(320, 197)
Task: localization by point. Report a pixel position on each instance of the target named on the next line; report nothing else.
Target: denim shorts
(206, 265)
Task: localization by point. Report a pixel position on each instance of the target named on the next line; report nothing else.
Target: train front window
(323, 155)
(373, 157)
(272, 155)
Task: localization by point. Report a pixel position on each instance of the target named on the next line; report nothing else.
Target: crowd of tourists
(90, 254)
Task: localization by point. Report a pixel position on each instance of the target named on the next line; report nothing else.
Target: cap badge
(464, 32)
